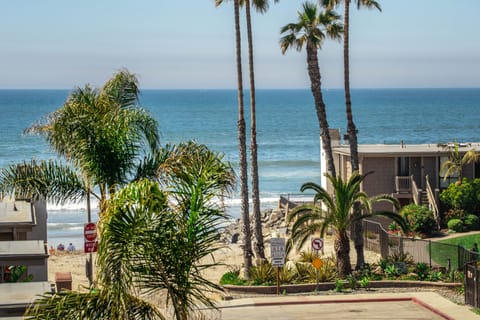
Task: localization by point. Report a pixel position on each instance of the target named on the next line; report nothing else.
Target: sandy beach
(229, 258)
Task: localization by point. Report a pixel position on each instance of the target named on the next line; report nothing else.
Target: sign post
(90, 235)
(317, 245)
(277, 252)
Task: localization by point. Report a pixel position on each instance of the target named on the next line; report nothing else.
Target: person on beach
(60, 247)
(71, 247)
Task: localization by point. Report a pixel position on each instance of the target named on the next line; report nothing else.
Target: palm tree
(357, 230)
(242, 147)
(154, 241)
(455, 163)
(103, 132)
(310, 30)
(50, 181)
(309, 219)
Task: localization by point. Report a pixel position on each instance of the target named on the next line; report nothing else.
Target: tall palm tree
(310, 219)
(310, 30)
(154, 241)
(242, 146)
(103, 132)
(357, 230)
(456, 161)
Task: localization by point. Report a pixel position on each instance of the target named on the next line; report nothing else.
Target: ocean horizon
(287, 130)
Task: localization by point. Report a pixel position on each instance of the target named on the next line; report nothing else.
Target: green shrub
(472, 222)
(422, 270)
(464, 196)
(339, 285)
(263, 273)
(420, 218)
(455, 225)
(286, 275)
(232, 278)
(307, 256)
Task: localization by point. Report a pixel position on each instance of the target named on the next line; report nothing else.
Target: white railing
(415, 191)
(432, 202)
(403, 184)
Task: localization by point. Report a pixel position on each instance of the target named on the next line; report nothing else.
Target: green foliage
(287, 275)
(307, 256)
(19, 274)
(420, 218)
(422, 270)
(400, 257)
(393, 227)
(311, 218)
(306, 273)
(391, 271)
(263, 274)
(364, 282)
(472, 222)
(455, 225)
(352, 281)
(328, 270)
(232, 278)
(464, 196)
(339, 285)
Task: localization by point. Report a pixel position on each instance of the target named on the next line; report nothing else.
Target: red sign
(90, 231)
(91, 246)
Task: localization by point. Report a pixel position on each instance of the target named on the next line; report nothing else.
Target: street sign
(317, 244)
(277, 251)
(90, 231)
(317, 263)
(91, 246)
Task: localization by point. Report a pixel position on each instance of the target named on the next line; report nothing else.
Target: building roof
(21, 294)
(18, 212)
(402, 150)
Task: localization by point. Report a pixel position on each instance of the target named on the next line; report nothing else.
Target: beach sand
(230, 258)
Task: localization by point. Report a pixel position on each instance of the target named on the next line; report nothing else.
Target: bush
(455, 225)
(232, 277)
(472, 222)
(464, 196)
(420, 218)
(263, 273)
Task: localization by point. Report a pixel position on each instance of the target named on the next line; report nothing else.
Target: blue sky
(184, 44)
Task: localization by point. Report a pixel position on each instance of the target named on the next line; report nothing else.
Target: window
(403, 166)
(452, 178)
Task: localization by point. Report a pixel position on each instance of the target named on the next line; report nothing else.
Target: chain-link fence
(433, 253)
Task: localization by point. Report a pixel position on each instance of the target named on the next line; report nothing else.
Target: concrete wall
(381, 181)
(39, 232)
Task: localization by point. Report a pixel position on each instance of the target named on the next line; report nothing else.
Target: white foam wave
(73, 206)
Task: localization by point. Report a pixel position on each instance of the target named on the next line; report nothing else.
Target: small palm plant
(337, 211)
(456, 161)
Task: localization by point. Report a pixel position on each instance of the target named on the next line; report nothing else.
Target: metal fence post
(430, 252)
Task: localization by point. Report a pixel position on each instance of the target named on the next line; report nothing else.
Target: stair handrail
(432, 202)
(415, 192)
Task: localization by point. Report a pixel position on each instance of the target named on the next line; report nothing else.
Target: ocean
(287, 131)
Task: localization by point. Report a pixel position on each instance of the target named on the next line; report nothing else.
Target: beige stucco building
(23, 239)
(410, 172)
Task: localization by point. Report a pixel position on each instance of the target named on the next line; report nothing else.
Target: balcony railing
(403, 184)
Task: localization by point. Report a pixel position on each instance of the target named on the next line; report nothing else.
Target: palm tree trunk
(316, 87)
(357, 227)
(259, 245)
(247, 248)
(342, 251)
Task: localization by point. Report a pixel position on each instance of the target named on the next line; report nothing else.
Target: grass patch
(465, 241)
(444, 249)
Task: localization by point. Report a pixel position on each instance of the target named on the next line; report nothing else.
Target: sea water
(287, 131)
